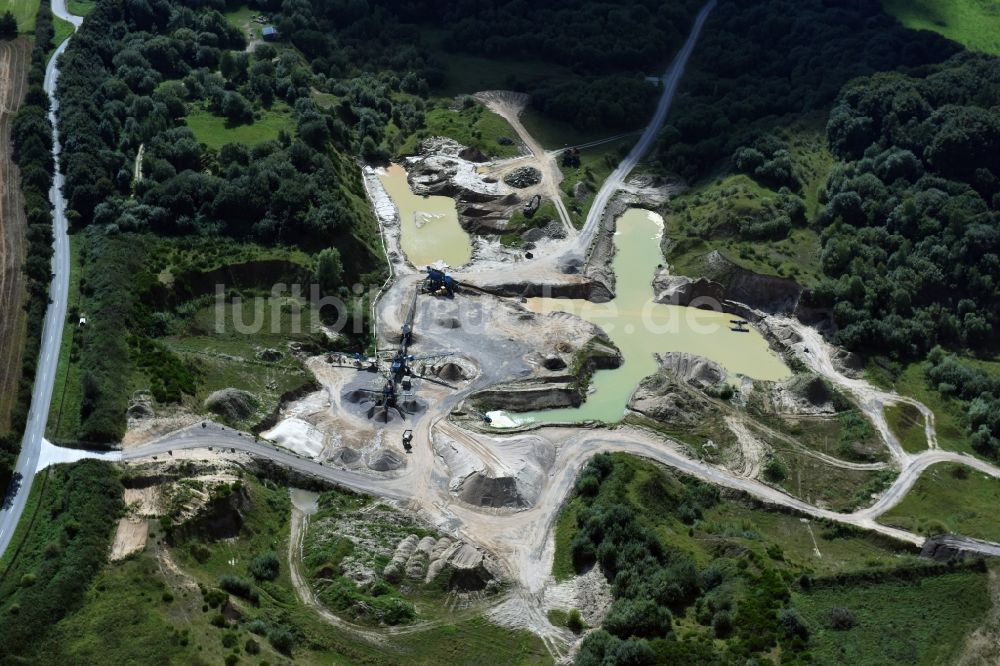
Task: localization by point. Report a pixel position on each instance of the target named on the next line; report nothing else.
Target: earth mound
(523, 177)
(231, 403)
(451, 372)
(385, 460)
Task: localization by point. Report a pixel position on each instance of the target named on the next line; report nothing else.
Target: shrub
(232, 660)
(258, 627)
(639, 617)
(841, 618)
(168, 597)
(252, 646)
(229, 639)
(574, 622)
(200, 552)
(588, 485)
(282, 639)
(265, 566)
(775, 469)
(241, 587)
(722, 624)
(215, 597)
(219, 620)
(792, 624)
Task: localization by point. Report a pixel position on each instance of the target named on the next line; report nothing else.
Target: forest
(908, 215)
(910, 231)
(131, 78)
(759, 60)
(605, 46)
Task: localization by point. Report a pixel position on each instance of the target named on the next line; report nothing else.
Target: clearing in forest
(973, 23)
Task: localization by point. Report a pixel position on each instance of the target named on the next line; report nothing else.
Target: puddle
(430, 230)
(305, 501)
(640, 328)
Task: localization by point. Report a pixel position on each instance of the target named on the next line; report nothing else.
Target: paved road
(221, 438)
(671, 79)
(55, 317)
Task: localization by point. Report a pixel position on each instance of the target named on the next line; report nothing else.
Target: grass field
(950, 498)
(907, 423)
(61, 29)
(596, 164)
(473, 126)
(64, 413)
(552, 134)
(240, 17)
(24, 11)
(949, 413)
(467, 74)
(705, 218)
(822, 484)
(229, 360)
(215, 131)
(80, 7)
(922, 622)
(972, 23)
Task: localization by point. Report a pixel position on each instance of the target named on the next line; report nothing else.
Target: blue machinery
(398, 371)
(439, 283)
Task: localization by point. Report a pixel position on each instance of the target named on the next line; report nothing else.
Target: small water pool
(430, 231)
(640, 327)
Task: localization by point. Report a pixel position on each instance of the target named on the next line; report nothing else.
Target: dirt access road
(15, 57)
(509, 105)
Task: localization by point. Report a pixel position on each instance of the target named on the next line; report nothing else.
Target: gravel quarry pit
(500, 494)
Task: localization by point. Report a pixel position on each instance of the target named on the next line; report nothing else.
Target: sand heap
(508, 474)
(460, 565)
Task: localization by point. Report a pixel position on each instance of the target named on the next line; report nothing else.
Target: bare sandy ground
(130, 538)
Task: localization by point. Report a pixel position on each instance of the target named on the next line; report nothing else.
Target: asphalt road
(55, 317)
(614, 182)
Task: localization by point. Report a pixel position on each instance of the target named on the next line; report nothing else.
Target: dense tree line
(593, 37)
(606, 102)
(114, 270)
(651, 580)
(130, 77)
(759, 60)
(356, 39)
(31, 135)
(911, 238)
(66, 547)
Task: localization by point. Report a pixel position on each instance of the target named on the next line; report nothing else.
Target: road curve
(671, 79)
(55, 316)
(220, 437)
(402, 486)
